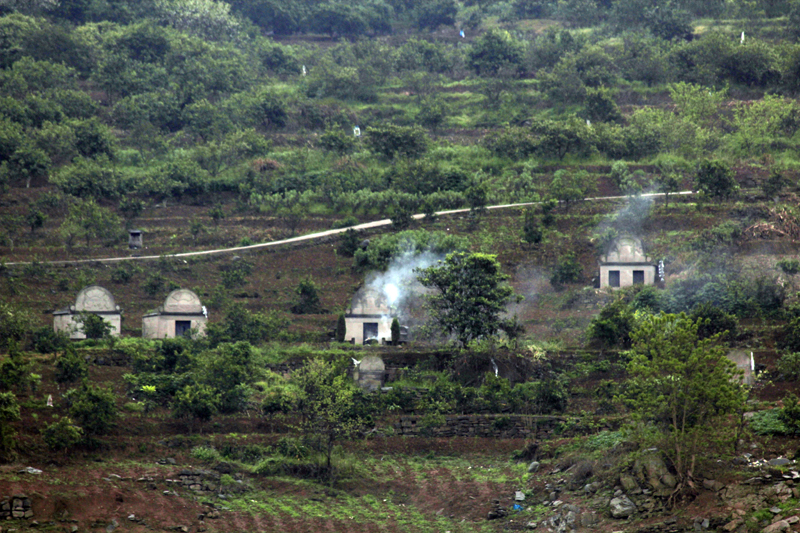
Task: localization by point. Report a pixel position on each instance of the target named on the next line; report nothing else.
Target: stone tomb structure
(370, 373)
(93, 299)
(369, 317)
(626, 264)
(182, 311)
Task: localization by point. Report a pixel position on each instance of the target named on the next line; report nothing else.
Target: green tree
(391, 141)
(94, 326)
(493, 51)
(62, 434)
(395, 329)
(35, 219)
(71, 366)
(715, 180)
(569, 187)
(229, 369)
(94, 408)
(88, 220)
(341, 328)
(567, 270)
(326, 404)
(208, 19)
(308, 302)
(774, 184)
(242, 325)
(469, 295)
(683, 384)
(197, 402)
(435, 13)
(9, 412)
(531, 229)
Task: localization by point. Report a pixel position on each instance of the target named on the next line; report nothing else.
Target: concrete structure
(93, 299)
(182, 311)
(134, 239)
(369, 317)
(370, 373)
(626, 264)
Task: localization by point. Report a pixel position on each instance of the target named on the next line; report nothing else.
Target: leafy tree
(613, 325)
(469, 295)
(88, 220)
(94, 408)
(230, 369)
(567, 270)
(683, 384)
(395, 329)
(308, 298)
(35, 219)
(196, 401)
(572, 187)
(9, 412)
(494, 50)
(341, 328)
(431, 15)
(94, 326)
(71, 366)
(16, 323)
(242, 325)
(774, 184)
(599, 106)
(715, 180)
(338, 19)
(208, 19)
(89, 178)
(62, 434)
(557, 139)
(27, 163)
(531, 229)
(349, 243)
(326, 404)
(391, 141)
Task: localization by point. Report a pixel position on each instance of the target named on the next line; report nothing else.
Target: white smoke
(399, 281)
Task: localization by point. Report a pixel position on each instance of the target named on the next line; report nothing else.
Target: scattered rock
(622, 507)
(533, 467)
(780, 461)
(112, 526)
(733, 525)
(628, 483)
(780, 525)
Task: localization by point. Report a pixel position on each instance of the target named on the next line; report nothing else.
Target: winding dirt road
(313, 236)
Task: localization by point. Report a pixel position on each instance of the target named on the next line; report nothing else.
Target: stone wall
(497, 426)
(16, 507)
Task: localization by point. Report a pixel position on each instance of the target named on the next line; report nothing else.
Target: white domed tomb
(93, 299)
(182, 312)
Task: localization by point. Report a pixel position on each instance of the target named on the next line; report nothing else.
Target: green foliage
(569, 187)
(531, 229)
(469, 295)
(9, 412)
(349, 243)
(431, 15)
(613, 325)
(713, 321)
(380, 251)
(327, 405)
(94, 408)
(395, 329)
(768, 423)
(62, 434)
(789, 365)
(494, 51)
(715, 180)
(392, 141)
(243, 325)
(790, 414)
(14, 370)
(308, 298)
(196, 401)
(16, 323)
(88, 220)
(341, 328)
(541, 397)
(94, 326)
(229, 369)
(45, 340)
(680, 382)
(567, 270)
(71, 367)
(788, 337)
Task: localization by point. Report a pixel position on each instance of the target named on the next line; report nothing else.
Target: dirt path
(313, 236)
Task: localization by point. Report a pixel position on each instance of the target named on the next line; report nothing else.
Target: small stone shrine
(134, 239)
(369, 318)
(370, 373)
(93, 299)
(182, 311)
(626, 264)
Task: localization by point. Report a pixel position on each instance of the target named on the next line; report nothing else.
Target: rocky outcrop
(17, 507)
